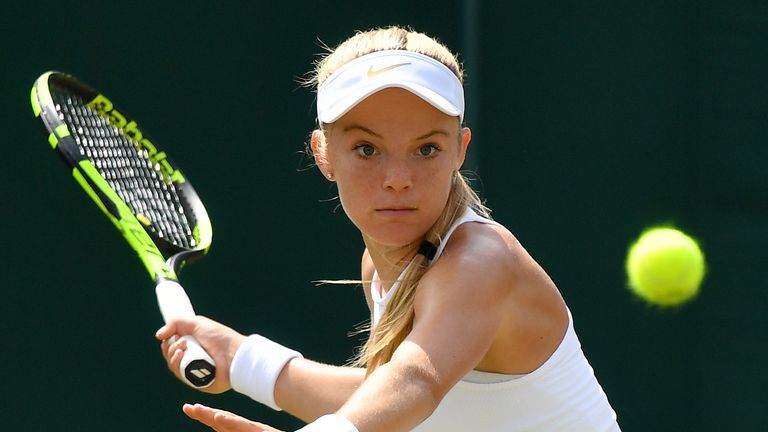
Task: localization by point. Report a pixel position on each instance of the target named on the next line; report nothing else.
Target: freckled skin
(393, 157)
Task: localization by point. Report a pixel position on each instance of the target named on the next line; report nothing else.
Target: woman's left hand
(224, 421)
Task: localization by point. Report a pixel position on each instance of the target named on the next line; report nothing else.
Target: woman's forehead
(395, 106)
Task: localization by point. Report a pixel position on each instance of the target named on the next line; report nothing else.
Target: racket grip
(197, 367)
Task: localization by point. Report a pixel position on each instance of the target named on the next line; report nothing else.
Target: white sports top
(561, 395)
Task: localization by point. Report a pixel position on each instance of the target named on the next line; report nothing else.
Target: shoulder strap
(468, 216)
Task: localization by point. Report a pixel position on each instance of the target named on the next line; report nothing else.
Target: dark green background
(592, 120)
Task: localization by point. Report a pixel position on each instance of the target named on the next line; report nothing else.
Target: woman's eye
(428, 150)
(365, 150)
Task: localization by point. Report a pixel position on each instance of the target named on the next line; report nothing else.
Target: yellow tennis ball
(665, 266)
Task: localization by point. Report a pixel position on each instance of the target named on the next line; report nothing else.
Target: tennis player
(468, 333)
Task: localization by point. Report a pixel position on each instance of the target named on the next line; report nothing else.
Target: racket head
(122, 168)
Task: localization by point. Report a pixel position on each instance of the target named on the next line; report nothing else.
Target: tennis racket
(137, 187)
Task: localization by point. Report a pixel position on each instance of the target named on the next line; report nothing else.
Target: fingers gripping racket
(137, 187)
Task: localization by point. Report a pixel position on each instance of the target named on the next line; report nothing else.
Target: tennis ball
(665, 266)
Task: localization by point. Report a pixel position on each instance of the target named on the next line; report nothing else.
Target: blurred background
(592, 120)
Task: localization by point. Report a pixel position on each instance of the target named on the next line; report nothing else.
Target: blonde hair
(383, 39)
(397, 320)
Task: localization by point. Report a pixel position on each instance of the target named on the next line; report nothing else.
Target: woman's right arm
(303, 388)
(307, 389)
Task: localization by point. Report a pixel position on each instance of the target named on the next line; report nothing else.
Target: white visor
(421, 75)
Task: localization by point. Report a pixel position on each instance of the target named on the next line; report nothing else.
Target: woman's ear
(319, 151)
(466, 137)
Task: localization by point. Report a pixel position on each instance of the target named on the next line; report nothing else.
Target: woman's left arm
(459, 307)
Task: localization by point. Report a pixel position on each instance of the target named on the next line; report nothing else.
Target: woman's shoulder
(488, 256)
(485, 244)
(485, 270)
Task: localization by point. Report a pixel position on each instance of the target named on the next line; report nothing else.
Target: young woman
(467, 331)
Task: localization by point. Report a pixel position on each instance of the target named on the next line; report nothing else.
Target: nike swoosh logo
(372, 73)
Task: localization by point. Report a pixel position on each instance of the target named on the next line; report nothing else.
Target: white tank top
(561, 395)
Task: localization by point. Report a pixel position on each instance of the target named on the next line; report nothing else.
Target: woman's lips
(395, 211)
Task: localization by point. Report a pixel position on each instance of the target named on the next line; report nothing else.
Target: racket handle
(197, 367)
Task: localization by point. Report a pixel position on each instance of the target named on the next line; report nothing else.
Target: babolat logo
(105, 107)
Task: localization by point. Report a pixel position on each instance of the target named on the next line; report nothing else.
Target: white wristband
(256, 366)
(329, 423)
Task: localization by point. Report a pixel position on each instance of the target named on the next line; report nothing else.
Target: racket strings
(128, 169)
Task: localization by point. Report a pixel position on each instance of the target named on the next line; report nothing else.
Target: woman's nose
(397, 176)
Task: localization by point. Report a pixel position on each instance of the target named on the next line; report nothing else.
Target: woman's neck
(389, 261)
